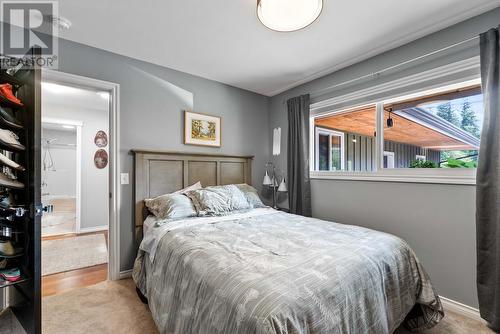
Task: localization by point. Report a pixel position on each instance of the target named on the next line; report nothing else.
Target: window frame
(325, 131)
(405, 175)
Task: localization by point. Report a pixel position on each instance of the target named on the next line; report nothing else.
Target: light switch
(124, 178)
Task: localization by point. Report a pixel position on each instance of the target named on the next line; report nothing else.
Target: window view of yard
(467, 114)
(430, 131)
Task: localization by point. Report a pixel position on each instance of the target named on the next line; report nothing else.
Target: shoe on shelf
(6, 93)
(3, 263)
(10, 275)
(10, 163)
(7, 201)
(5, 231)
(9, 173)
(6, 248)
(8, 119)
(10, 140)
(7, 182)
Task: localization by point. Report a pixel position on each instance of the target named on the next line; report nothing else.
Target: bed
(267, 271)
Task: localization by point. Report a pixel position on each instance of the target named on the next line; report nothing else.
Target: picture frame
(202, 129)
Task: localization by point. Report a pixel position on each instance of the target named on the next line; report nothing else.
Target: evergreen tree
(469, 120)
(446, 112)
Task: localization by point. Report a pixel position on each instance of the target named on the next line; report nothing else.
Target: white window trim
(329, 132)
(406, 175)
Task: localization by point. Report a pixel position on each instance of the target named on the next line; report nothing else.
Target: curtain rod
(378, 73)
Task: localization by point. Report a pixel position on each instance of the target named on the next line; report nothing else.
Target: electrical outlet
(124, 178)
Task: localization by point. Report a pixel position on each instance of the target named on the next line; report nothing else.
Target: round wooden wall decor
(101, 139)
(101, 159)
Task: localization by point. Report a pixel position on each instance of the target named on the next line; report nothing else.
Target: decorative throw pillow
(171, 206)
(218, 200)
(237, 198)
(195, 186)
(251, 194)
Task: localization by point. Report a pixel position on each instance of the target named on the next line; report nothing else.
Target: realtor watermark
(26, 25)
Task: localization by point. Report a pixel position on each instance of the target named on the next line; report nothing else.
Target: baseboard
(93, 229)
(125, 274)
(462, 309)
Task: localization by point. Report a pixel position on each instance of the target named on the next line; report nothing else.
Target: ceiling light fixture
(288, 15)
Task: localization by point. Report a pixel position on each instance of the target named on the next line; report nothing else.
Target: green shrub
(422, 164)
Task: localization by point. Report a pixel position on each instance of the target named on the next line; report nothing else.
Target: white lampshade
(267, 180)
(288, 15)
(282, 187)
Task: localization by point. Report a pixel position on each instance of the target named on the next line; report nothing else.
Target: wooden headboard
(158, 173)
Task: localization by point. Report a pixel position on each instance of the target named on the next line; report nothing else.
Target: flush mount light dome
(288, 15)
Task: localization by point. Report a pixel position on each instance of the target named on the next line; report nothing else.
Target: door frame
(78, 126)
(114, 162)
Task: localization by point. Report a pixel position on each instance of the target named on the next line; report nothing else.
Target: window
(440, 130)
(329, 149)
(388, 159)
(432, 130)
(345, 140)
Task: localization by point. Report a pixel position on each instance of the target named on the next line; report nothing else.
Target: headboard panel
(158, 173)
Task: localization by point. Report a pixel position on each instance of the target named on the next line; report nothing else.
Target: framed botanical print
(201, 129)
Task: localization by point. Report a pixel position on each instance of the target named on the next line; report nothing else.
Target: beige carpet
(113, 307)
(108, 307)
(66, 254)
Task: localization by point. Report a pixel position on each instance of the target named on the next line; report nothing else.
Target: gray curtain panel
(488, 185)
(299, 186)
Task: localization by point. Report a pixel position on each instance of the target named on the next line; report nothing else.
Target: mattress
(265, 271)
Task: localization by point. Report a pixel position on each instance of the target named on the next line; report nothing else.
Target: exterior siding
(359, 153)
(404, 154)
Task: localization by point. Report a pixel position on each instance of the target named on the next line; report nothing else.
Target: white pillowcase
(195, 186)
(218, 200)
(171, 206)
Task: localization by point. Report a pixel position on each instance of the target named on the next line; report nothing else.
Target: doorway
(77, 180)
(61, 176)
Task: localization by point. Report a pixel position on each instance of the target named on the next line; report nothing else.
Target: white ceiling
(72, 98)
(224, 41)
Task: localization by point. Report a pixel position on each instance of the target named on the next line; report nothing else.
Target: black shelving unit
(25, 293)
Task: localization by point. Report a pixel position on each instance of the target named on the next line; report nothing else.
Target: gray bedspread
(282, 273)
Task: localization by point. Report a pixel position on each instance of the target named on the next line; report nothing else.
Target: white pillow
(171, 206)
(195, 186)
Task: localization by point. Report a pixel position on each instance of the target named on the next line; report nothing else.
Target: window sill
(405, 175)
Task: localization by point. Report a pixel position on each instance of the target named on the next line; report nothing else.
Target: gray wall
(151, 116)
(437, 220)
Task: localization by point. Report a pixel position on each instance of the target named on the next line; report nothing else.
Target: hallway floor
(62, 220)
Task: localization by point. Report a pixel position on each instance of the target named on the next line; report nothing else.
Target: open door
(20, 206)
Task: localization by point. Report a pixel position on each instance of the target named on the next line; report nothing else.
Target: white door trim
(114, 148)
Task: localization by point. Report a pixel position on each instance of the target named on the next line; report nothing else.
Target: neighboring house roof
(436, 123)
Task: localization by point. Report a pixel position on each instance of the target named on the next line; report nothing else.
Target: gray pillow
(219, 200)
(171, 206)
(252, 195)
(237, 198)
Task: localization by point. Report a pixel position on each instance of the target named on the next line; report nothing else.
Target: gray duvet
(282, 273)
